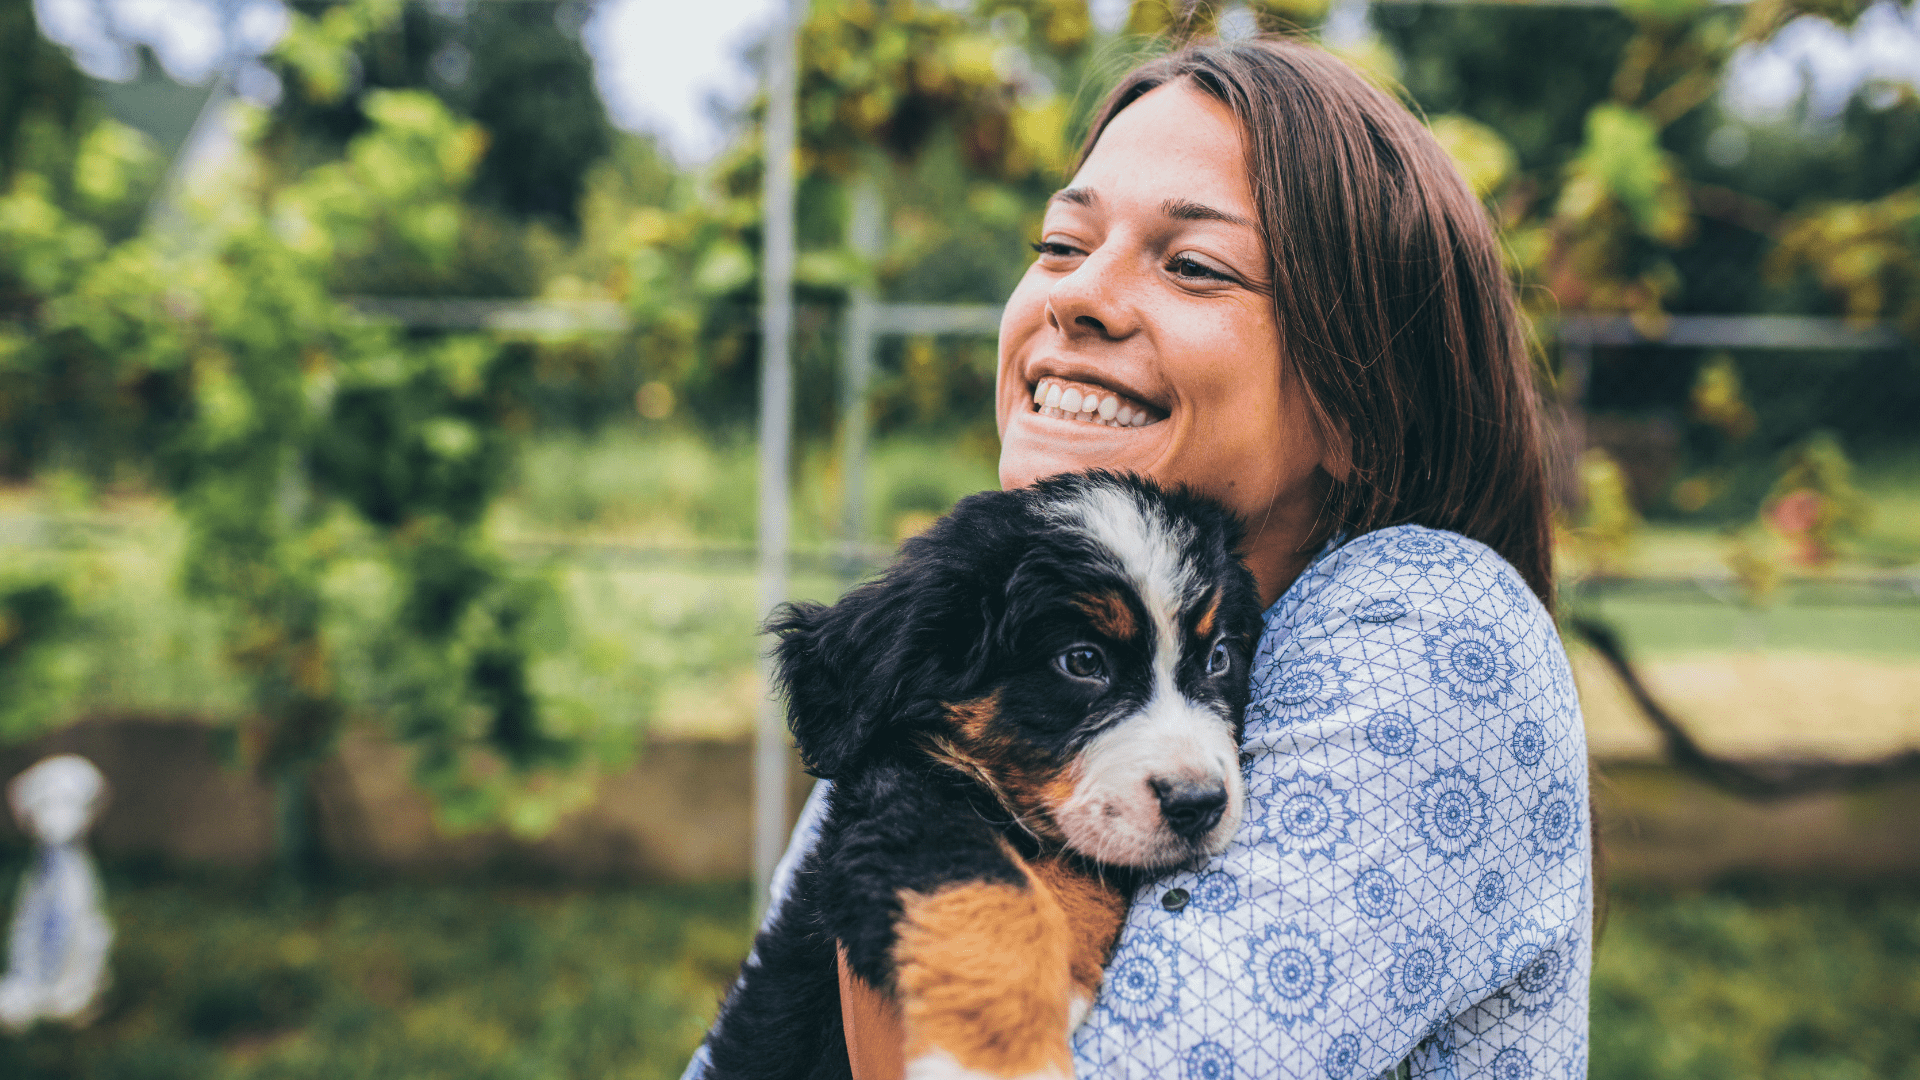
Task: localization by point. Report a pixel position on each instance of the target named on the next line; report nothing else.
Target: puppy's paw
(940, 1065)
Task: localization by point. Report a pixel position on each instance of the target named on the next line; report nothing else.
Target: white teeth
(1050, 398)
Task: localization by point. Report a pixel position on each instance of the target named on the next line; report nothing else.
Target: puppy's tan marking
(984, 972)
(1026, 783)
(1110, 614)
(973, 720)
(1094, 911)
(1204, 628)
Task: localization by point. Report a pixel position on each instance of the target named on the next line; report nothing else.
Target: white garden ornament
(57, 951)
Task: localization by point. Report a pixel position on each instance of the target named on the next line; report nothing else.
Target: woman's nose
(1094, 300)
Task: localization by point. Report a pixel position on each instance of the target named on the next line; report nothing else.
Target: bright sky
(659, 63)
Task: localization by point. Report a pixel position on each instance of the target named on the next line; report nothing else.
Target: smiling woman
(1267, 283)
(1152, 291)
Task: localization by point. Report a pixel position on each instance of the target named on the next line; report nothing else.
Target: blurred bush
(214, 364)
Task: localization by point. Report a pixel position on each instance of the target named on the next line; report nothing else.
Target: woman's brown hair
(1393, 305)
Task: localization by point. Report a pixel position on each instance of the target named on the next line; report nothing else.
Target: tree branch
(1757, 781)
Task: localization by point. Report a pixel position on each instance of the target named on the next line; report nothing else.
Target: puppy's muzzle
(1190, 809)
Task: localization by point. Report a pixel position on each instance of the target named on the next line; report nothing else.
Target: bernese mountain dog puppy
(1036, 708)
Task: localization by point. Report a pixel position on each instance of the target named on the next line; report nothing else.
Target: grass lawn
(224, 982)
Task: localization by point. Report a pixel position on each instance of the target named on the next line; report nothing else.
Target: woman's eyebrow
(1177, 209)
(1186, 210)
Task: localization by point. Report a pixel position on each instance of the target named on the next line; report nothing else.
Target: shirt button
(1174, 899)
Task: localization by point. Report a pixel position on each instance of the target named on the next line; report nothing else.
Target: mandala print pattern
(1419, 971)
(1421, 549)
(1217, 891)
(1209, 1061)
(1375, 893)
(1438, 897)
(1452, 813)
(1291, 973)
(1142, 984)
(1531, 966)
(1342, 1055)
(1555, 819)
(1529, 743)
(1471, 662)
(1392, 734)
(1489, 891)
(1307, 815)
(1302, 691)
(1512, 1064)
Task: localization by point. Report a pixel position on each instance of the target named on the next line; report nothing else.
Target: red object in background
(1795, 516)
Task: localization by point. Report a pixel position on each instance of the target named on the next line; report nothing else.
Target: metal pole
(776, 423)
(856, 368)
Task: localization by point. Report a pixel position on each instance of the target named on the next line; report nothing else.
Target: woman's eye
(1050, 249)
(1186, 266)
(1219, 660)
(1082, 662)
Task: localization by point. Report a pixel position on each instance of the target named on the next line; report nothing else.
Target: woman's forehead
(1176, 150)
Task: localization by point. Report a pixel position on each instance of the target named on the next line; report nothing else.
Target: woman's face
(1143, 337)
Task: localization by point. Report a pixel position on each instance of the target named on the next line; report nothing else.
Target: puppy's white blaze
(940, 1065)
(1145, 548)
(1114, 814)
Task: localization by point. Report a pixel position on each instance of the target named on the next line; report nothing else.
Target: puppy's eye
(1082, 662)
(1219, 660)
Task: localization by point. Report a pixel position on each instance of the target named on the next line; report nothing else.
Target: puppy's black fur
(948, 699)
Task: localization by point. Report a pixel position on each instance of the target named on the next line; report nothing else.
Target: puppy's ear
(883, 662)
(842, 668)
(810, 667)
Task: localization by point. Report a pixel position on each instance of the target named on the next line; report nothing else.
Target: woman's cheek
(1023, 317)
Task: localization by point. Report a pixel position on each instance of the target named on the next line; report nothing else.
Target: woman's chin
(1033, 446)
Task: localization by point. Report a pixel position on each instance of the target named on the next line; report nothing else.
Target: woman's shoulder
(1418, 612)
(1388, 573)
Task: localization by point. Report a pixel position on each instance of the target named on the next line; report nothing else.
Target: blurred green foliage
(518, 71)
(211, 360)
(336, 474)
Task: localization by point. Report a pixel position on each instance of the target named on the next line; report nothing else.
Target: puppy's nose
(1191, 808)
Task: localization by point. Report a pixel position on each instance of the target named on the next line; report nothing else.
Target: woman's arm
(1414, 872)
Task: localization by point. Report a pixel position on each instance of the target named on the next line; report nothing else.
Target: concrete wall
(681, 812)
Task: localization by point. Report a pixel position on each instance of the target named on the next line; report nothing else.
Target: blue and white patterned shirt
(1414, 874)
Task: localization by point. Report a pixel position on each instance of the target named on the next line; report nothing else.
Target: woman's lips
(1089, 403)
